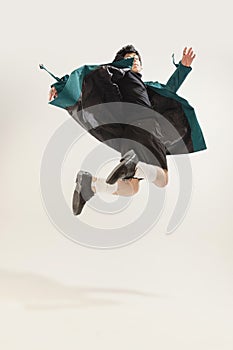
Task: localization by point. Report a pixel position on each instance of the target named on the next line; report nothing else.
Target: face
(136, 67)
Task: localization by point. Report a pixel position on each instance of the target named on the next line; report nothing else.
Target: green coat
(163, 97)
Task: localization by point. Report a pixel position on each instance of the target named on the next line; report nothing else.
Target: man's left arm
(183, 69)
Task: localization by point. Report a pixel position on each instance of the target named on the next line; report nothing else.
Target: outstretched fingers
(190, 53)
(188, 57)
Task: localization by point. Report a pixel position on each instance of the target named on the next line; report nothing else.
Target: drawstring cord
(173, 60)
(43, 67)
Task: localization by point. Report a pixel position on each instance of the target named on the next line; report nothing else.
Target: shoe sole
(77, 208)
(111, 179)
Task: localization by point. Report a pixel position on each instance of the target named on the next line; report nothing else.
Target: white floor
(161, 291)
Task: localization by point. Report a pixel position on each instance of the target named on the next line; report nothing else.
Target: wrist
(184, 65)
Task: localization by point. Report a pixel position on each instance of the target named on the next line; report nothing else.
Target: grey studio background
(162, 291)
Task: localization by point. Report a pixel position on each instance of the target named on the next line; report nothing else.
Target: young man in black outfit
(134, 164)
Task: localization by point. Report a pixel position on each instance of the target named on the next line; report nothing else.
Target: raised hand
(52, 93)
(188, 57)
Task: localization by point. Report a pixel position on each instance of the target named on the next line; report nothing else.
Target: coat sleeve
(178, 77)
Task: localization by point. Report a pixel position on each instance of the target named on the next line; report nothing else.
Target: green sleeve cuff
(59, 86)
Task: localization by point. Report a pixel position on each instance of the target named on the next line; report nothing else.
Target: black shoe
(82, 192)
(125, 170)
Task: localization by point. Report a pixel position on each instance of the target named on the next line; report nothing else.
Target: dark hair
(126, 49)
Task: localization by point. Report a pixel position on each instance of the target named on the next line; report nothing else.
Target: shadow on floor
(40, 292)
